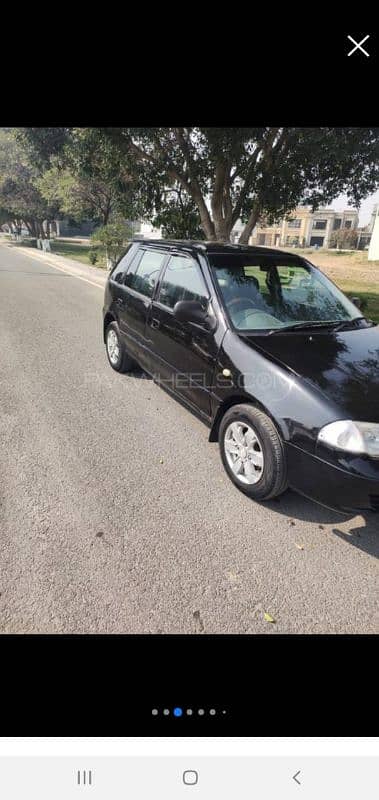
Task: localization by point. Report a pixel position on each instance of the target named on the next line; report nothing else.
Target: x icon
(358, 45)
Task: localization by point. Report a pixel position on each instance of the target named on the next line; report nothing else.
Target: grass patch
(78, 252)
(369, 292)
(75, 250)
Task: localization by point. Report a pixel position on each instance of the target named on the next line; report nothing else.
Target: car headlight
(353, 437)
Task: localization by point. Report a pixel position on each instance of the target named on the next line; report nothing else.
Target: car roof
(194, 245)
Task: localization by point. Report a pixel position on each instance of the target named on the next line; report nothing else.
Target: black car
(267, 351)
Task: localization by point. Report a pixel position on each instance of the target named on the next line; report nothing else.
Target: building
(304, 228)
(373, 252)
(236, 232)
(147, 231)
(364, 234)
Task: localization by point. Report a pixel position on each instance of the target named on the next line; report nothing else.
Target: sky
(340, 203)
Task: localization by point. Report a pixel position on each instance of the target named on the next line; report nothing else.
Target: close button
(358, 45)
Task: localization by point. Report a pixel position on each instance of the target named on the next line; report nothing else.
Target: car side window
(145, 275)
(118, 272)
(182, 280)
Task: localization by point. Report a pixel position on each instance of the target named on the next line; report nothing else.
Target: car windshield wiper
(305, 325)
(347, 323)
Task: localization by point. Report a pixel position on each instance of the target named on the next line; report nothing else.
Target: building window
(337, 224)
(320, 224)
(348, 223)
(294, 223)
(261, 238)
(293, 241)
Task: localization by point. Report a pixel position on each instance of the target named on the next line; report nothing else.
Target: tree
(345, 238)
(177, 215)
(241, 173)
(41, 145)
(114, 238)
(83, 172)
(20, 199)
(78, 197)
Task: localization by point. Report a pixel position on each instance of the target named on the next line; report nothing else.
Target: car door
(185, 353)
(135, 297)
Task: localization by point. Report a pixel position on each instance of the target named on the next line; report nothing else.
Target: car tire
(252, 452)
(117, 355)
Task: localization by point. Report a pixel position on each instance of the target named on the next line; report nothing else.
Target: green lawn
(368, 292)
(75, 250)
(79, 252)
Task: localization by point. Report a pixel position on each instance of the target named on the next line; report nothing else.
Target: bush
(114, 237)
(93, 257)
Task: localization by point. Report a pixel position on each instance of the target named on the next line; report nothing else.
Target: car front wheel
(117, 355)
(252, 452)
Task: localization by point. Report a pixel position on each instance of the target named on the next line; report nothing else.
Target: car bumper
(330, 485)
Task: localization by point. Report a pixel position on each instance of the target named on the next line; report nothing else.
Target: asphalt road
(115, 512)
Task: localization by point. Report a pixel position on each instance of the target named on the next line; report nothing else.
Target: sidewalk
(94, 275)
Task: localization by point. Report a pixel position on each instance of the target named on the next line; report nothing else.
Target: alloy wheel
(113, 347)
(244, 453)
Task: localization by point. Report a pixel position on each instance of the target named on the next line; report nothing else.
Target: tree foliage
(177, 215)
(21, 202)
(42, 145)
(83, 172)
(189, 180)
(114, 238)
(241, 173)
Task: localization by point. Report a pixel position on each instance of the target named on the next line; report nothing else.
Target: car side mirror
(192, 311)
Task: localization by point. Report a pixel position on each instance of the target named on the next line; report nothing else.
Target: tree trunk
(208, 229)
(251, 223)
(220, 203)
(47, 229)
(205, 219)
(223, 229)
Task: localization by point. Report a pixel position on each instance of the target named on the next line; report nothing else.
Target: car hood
(344, 366)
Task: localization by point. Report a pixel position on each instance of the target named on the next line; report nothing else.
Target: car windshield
(264, 292)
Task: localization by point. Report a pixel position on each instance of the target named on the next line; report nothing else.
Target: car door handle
(155, 323)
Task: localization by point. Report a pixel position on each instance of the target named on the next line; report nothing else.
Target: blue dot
(178, 712)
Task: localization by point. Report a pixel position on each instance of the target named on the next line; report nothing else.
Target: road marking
(62, 269)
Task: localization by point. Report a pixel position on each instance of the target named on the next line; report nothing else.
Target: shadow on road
(137, 372)
(365, 537)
